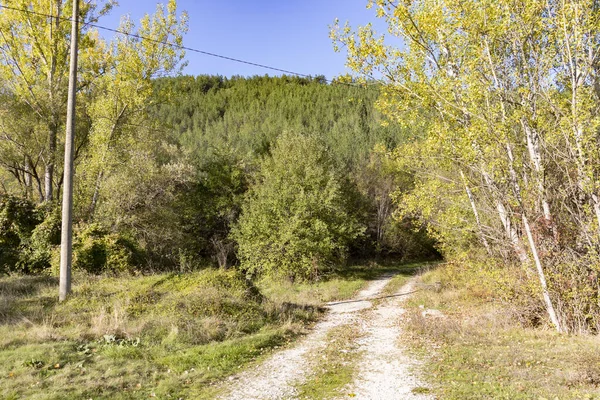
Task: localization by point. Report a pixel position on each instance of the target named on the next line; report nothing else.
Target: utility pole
(66, 242)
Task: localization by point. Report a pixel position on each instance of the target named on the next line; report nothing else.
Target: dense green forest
(210, 150)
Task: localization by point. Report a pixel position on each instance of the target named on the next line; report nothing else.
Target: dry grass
(164, 335)
(481, 350)
(136, 336)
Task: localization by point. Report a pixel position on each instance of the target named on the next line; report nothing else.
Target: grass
(335, 366)
(339, 285)
(478, 350)
(136, 337)
(400, 279)
(163, 335)
(60, 371)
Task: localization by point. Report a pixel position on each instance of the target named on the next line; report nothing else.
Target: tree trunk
(27, 179)
(536, 163)
(476, 214)
(95, 195)
(596, 202)
(53, 125)
(509, 229)
(542, 277)
(532, 244)
(49, 170)
(38, 184)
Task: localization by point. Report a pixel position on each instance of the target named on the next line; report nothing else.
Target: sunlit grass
(123, 337)
(478, 351)
(335, 367)
(161, 335)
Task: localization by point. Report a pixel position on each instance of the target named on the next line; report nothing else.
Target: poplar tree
(509, 90)
(114, 90)
(34, 69)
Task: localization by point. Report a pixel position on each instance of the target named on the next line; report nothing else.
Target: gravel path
(385, 371)
(275, 378)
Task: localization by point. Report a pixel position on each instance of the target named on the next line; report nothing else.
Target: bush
(22, 245)
(37, 253)
(30, 242)
(97, 251)
(573, 283)
(296, 220)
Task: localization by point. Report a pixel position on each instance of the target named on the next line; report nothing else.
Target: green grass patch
(64, 371)
(339, 285)
(335, 366)
(403, 274)
(162, 335)
(478, 350)
(135, 337)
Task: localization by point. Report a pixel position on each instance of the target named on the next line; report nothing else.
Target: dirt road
(384, 370)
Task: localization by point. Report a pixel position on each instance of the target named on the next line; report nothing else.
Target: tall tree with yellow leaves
(509, 89)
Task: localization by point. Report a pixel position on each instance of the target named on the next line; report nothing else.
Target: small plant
(112, 340)
(85, 349)
(33, 363)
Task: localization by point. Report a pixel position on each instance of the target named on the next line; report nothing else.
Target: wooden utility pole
(66, 242)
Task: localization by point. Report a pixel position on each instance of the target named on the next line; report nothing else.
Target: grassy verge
(164, 335)
(335, 366)
(341, 285)
(477, 350)
(400, 279)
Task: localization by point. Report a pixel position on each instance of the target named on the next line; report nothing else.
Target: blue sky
(287, 34)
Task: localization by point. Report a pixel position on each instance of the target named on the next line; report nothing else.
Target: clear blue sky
(287, 34)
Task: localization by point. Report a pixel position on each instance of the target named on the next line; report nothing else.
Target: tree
(505, 86)
(34, 68)
(122, 96)
(210, 206)
(295, 222)
(114, 89)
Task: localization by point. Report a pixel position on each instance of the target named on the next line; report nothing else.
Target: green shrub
(30, 241)
(96, 251)
(18, 219)
(37, 252)
(296, 220)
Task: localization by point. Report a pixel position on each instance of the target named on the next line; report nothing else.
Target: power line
(207, 53)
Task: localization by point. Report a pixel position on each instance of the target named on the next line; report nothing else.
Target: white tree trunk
(535, 157)
(509, 229)
(542, 277)
(475, 213)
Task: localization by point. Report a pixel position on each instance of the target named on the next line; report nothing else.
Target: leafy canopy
(296, 221)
